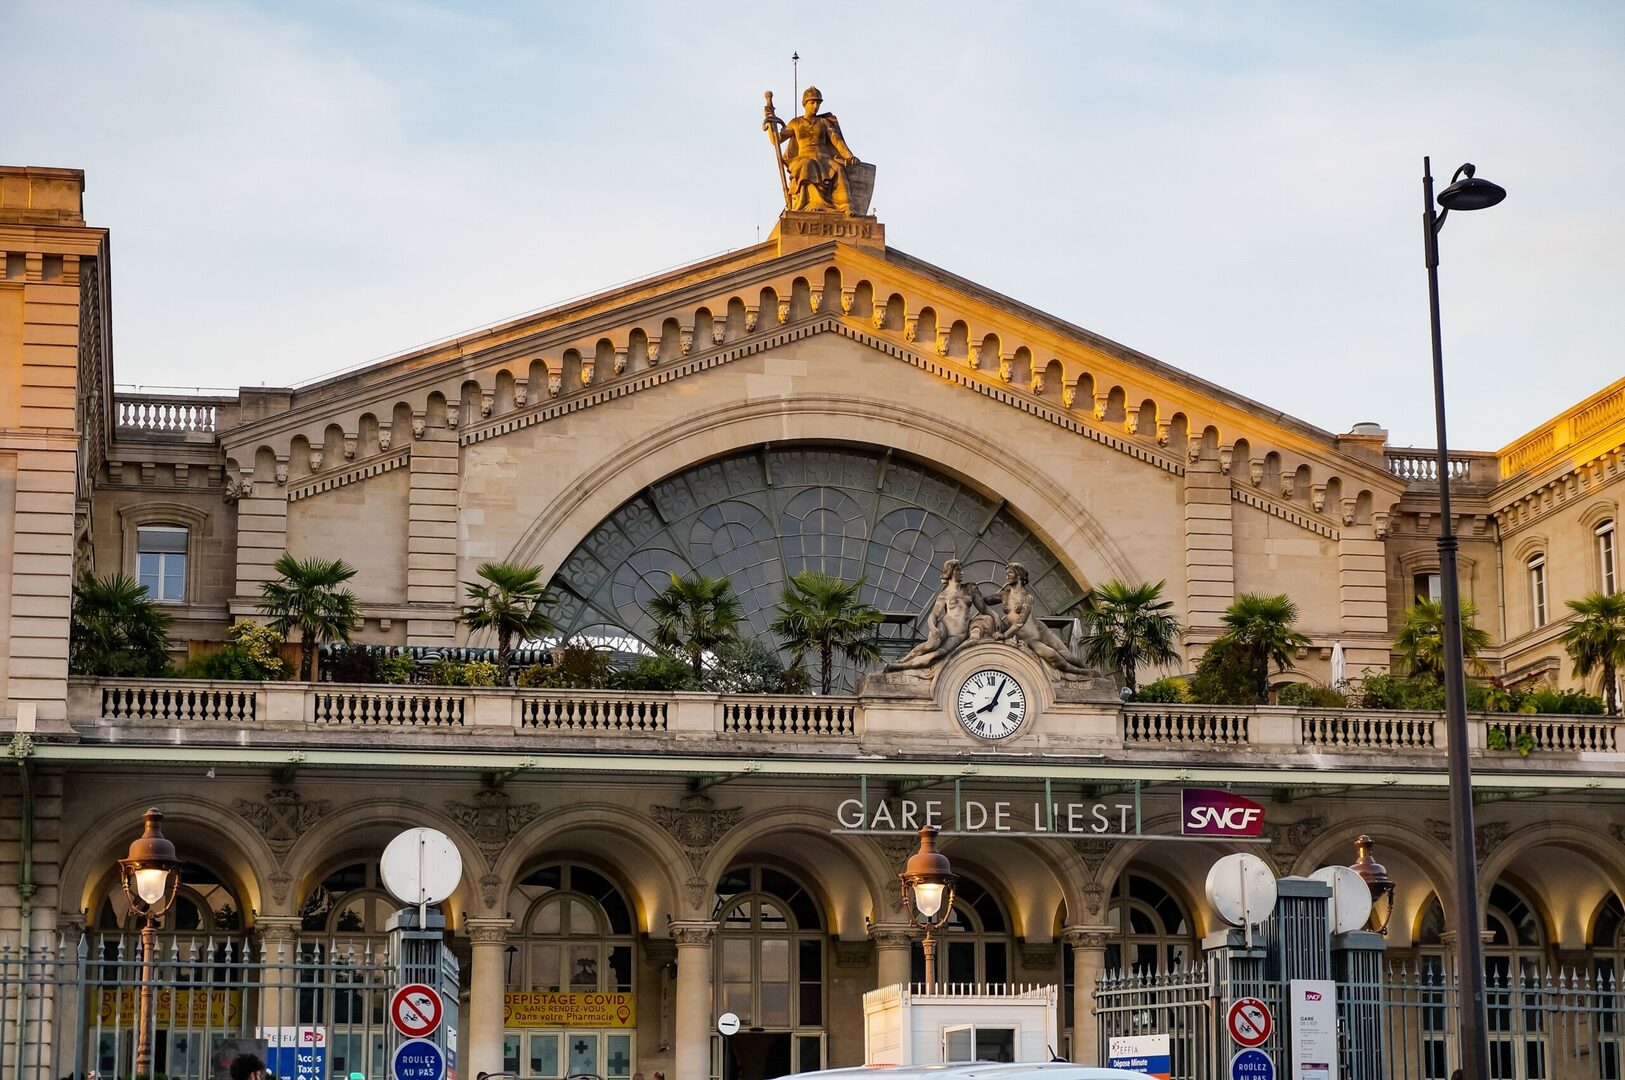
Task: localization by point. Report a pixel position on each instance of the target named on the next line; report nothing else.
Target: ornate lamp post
(1375, 876)
(150, 876)
(927, 883)
(1466, 192)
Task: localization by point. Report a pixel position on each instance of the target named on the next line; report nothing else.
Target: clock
(991, 705)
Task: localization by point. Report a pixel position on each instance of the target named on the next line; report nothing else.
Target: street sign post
(1252, 1065)
(1250, 1022)
(418, 1059)
(415, 1010)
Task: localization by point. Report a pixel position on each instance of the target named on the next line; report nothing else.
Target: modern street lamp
(927, 884)
(1375, 876)
(150, 876)
(1466, 192)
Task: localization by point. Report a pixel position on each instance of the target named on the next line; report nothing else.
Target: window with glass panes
(344, 931)
(1150, 930)
(1537, 589)
(770, 953)
(160, 562)
(975, 945)
(1607, 558)
(575, 932)
(1426, 586)
(1608, 964)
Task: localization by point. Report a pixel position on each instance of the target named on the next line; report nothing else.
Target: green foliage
(1224, 676)
(573, 667)
(662, 671)
(694, 615)
(820, 613)
(1519, 739)
(307, 595)
(1420, 641)
(116, 629)
(398, 670)
(1127, 626)
(262, 645)
(1164, 692)
(1312, 696)
(473, 673)
(508, 601)
(747, 666)
(1386, 691)
(1549, 699)
(1258, 632)
(1595, 640)
(230, 662)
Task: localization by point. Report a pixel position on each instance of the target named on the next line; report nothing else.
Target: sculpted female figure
(815, 156)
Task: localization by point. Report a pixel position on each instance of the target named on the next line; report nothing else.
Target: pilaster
(1210, 566)
(431, 540)
(1363, 595)
(262, 536)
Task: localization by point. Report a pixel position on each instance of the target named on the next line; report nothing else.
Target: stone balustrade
(1421, 466)
(149, 414)
(743, 722)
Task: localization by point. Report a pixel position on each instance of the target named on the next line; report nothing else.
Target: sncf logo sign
(1219, 813)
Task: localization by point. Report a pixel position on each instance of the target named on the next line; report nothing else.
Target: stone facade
(519, 442)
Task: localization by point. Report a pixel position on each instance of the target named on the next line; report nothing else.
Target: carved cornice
(1487, 837)
(377, 465)
(1285, 511)
(488, 931)
(891, 937)
(693, 934)
(1086, 938)
(1288, 839)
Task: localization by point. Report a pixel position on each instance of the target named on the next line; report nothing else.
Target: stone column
(1088, 945)
(279, 996)
(693, 1057)
(487, 989)
(893, 942)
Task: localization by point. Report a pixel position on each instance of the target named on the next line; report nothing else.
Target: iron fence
(76, 1009)
(1552, 1025)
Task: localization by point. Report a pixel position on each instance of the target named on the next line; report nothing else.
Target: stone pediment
(639, 338)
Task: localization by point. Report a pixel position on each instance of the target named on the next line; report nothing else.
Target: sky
(1233, 188)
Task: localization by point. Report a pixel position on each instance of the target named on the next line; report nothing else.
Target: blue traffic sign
(418, 1059)
(1252, 1065)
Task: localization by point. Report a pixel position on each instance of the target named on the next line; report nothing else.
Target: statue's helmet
(811, 94)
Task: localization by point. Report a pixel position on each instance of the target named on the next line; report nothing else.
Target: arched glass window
(1608, 962)
(1150, 930)
(574, 932)
(770, 963)
(975, 945)
(344, 921)
(350, 902)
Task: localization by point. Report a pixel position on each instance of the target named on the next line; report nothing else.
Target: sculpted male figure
(1023, 627)
(957, 609)
(816, 158)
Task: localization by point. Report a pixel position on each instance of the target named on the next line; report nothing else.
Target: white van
(984, 1070)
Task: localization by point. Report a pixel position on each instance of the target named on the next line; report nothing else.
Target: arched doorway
(573, 950)
(770, 973)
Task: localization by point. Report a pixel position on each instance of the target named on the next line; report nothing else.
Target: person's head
(247, 1067)
(950, 570)
(810, 100)
(1015, 574)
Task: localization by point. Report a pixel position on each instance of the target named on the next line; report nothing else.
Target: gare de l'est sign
(1205, 813)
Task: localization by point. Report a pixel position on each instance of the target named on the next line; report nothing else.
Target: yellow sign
(539, 1009)
(172, 1007)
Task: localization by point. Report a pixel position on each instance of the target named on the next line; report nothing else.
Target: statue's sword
(770, 124)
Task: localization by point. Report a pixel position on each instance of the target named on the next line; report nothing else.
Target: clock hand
(994, 700)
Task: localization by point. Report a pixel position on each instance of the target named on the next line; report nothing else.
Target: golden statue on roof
(817, 170)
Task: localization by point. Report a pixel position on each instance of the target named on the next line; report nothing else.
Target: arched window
(770, 965)
(344, 921)
(575, 932)
(975, 946)
(350, 902)
(1537, 589)
(1608, 962)
(1150, 930)
(1607, 558)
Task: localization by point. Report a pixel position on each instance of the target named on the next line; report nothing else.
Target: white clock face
(991, 705)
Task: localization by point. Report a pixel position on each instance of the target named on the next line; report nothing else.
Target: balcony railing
(741, 722)
(151, 414)
(1422, 466)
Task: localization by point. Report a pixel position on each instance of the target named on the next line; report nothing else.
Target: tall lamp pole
(927, 883)
(150, 876)
(1466, 192)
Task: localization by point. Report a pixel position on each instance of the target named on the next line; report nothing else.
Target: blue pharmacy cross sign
(1252, 1065)
(418, 1059)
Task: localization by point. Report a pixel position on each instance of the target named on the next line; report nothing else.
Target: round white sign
(421, 866)
(728, 1023)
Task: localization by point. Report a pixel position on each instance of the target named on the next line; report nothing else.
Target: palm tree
(509, 601)
(1129, 625)
(1595, 640)
(821, 612)
(694, 615)
(1420, 641)
(307, 597)
(116, 629)
(1259, 627)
